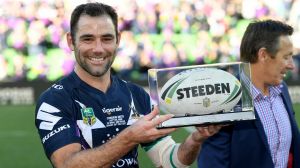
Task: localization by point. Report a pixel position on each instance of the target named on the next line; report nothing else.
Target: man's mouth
(97, 60)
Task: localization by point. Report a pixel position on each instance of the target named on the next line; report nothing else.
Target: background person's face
(95, 44)
(276, 68)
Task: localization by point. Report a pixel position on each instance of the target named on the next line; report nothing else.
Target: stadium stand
(155, 34)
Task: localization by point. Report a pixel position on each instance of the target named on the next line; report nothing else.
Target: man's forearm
(188, 151)
(102, 156)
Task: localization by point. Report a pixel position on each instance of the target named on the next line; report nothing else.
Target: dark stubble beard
(85, 66)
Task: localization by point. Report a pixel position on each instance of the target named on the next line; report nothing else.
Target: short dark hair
(262, 34)
(92, 9)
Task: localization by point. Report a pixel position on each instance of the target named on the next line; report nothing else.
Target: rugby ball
(200, 91)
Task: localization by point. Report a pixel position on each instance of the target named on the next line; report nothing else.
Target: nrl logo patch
(88, 116)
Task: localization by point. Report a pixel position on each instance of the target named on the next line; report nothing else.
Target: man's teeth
(97, 59)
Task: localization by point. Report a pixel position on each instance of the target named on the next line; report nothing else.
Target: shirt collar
(274, 91)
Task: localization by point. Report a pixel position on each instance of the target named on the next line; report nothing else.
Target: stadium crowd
(155, 34)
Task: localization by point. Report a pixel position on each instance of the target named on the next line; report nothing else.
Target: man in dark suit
(273, 139)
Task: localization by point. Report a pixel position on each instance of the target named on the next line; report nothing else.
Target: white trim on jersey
(86, 130)
(44, 114)
(80, 104)
(134, 115)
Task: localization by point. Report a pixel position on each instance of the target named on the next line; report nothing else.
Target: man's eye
(288, 57)
(87, 39)
(107, 39)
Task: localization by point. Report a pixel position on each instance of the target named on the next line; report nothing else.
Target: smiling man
(92, 118)
(272, 140)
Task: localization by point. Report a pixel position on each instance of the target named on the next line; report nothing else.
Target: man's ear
(262, 54)
(70, 41)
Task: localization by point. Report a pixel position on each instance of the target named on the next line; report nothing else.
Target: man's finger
(162, 118)
(151, 115)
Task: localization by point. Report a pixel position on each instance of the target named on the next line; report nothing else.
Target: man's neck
(101, 83)
(257, 78)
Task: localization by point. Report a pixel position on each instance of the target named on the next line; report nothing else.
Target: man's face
(276, 68)
(95, 44)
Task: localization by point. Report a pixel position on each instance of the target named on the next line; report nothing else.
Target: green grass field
(21, 147)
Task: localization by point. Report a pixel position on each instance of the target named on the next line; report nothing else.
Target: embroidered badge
(88, 116)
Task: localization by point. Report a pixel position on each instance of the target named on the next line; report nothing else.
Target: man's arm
(102, 156)
(165, 152)
(143, 131)
(188, 150)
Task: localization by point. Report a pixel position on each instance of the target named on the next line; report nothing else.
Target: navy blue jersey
(71, 111)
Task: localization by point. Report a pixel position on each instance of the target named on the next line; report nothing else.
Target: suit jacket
(244, 144)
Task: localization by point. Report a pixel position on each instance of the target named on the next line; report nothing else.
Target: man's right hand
(145, 129)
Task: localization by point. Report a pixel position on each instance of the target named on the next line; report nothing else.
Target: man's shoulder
(137, 91)
(284, 88)
(283, 85)
(133, 87)
(58, 91)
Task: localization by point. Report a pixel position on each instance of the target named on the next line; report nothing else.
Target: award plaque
(203, 94)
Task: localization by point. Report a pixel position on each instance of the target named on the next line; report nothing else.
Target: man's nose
(291, 64)
(98, 46)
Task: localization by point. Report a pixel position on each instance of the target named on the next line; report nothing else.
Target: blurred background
(155, 34)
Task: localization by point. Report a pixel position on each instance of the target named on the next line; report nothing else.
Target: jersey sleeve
(54, 121)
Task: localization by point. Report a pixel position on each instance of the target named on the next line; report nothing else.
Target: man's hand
(193, 143)
(204, 132)
(145, 129)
